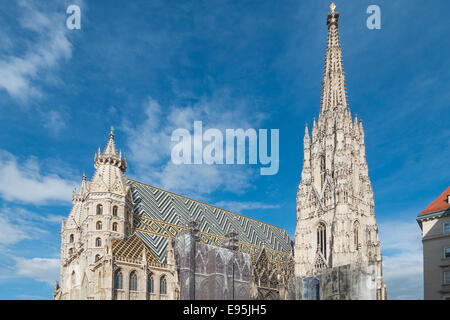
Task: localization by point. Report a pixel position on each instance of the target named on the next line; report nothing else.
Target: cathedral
(125, 240)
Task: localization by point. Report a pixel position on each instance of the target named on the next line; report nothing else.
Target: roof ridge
(438, 204)
(209, 205)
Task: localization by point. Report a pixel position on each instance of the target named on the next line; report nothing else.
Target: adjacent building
(435, 224)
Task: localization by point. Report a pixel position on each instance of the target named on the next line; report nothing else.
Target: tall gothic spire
(335, 208)
(333, 84)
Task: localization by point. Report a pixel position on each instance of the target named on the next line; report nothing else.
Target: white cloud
(19, 75)
(39, 269)
(150, 145)
(54, 122)
(239, 207)
(25, 182)
(402, 259)
(11, 233)
(17, 224)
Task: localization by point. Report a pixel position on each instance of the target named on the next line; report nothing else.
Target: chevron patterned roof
(160, 214)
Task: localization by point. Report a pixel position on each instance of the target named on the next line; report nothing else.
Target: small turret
(306, 139)
(109, 155)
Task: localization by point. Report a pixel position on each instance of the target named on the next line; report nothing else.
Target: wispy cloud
(17, 224)
(150, 145)
(402, 259)
(27, 184)
(20, 74)
(39, 269)
(54, 122)
(11, 233)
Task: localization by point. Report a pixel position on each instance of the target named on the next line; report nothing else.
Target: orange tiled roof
(440, 203)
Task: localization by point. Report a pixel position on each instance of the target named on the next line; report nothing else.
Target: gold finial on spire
(111, 133)
(332, 7)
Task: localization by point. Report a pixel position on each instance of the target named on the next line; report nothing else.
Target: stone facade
(211, 273)
(127, 240)
(101, 216)
(335, 207)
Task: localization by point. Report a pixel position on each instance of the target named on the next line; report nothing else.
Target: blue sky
(147, 67)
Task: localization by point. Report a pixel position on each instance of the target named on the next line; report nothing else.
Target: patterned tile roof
(132, 248)
(160, 214)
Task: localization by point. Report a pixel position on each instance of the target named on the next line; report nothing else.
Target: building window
(446, 227)
(446, 277)
(322, 239)
(114, 226)
(163, 285)
(99, 209)
(98, 225)
(447, 253)
(115, 211)
(71, 238)
(73, 279)
(118, 280)
(150, 284)
(97, 257)
(70, 251)
(356, 235)
(98, 242)
(133, 281)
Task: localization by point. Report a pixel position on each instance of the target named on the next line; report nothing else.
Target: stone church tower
(101, 212)
(335, 207)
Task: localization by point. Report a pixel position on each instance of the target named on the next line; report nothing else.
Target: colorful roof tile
(160, 214)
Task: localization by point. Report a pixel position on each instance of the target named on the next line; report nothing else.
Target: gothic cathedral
(127, 240)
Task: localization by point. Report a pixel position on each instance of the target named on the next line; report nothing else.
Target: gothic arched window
(118, 280)
(322, 239)
(70, 251)
(150, 284)
(71, 237)
(98, 242)
(114, 211)
(98, 225)
(219, 264)
(99, 209)
(114, 226)
(356, 235)
(133, 281)
(97, 257)
(73, 277)
(163, 285)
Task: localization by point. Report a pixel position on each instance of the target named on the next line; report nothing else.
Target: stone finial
(332, 7)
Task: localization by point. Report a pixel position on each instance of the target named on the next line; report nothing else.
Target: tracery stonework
(127, 240)
(335, 207)
(122, 241)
